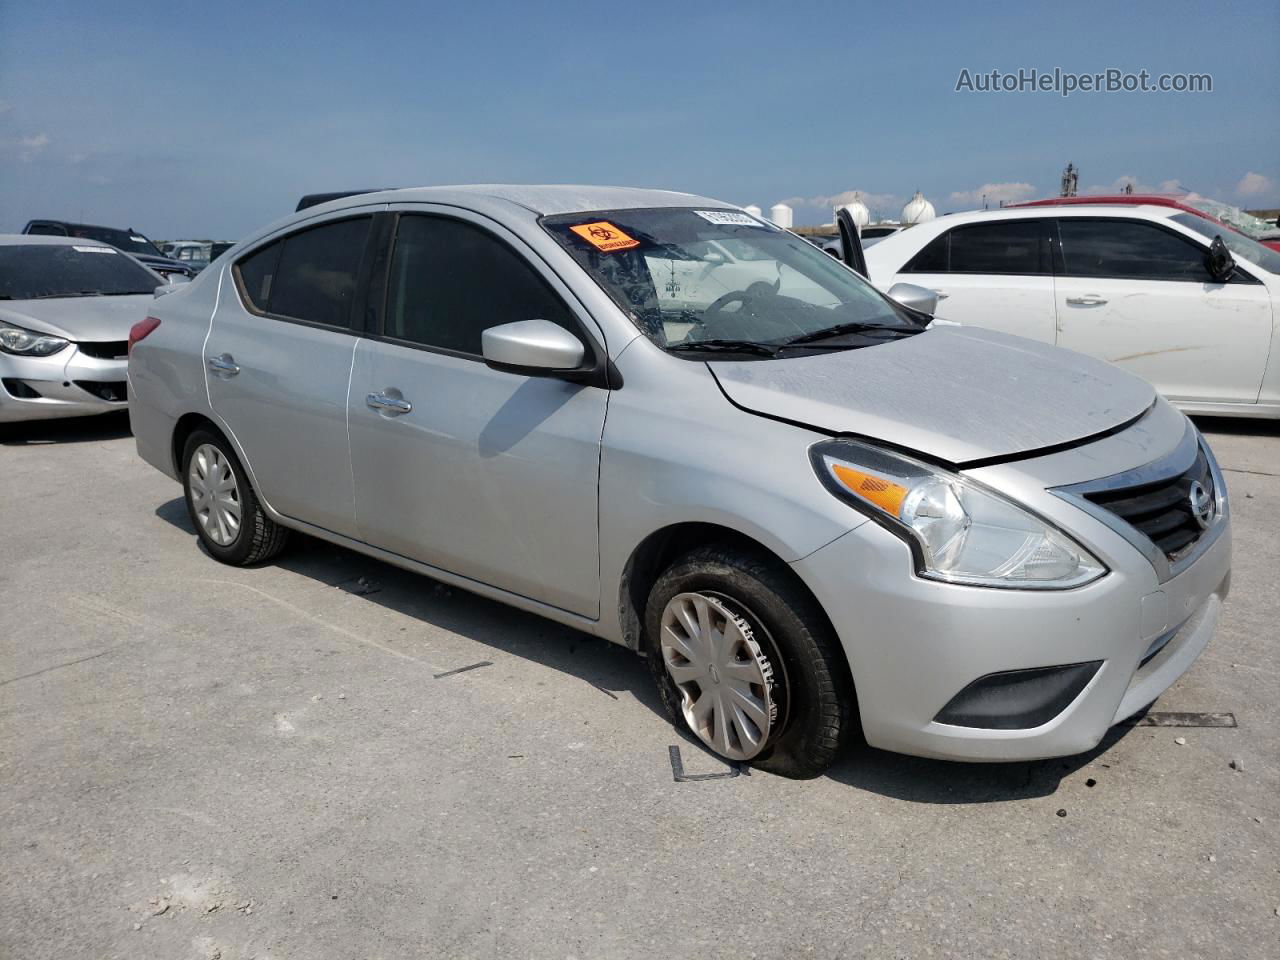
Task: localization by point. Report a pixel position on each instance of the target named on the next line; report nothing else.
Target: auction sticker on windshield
(605, 237)
(79, 249)
(729, 218)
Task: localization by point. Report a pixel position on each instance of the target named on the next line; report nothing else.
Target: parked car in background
(66, 307)
(1265, 232)
(870, 235)
(130, 241)
(878, 231)
(218, 248)
(1139, 285)
(783, 488)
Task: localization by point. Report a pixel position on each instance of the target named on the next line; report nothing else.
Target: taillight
(141, 329)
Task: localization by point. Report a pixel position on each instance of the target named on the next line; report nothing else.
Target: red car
(1254, 228)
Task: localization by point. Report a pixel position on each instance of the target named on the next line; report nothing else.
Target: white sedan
(1145, 287)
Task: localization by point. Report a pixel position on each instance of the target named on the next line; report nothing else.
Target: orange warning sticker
(605, 237)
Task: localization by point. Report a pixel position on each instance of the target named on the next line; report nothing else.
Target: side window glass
(451, 280)
(315, 278)
(256, 273)
(1128, 250)
(1004, 247)
(932, 259)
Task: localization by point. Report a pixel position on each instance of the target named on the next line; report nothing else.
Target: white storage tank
(917, 210)
(781, 214)
(752, 209)
(857, 210)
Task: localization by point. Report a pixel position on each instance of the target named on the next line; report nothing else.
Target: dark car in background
(129, 241)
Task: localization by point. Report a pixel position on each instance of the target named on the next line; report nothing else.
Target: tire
(807, 679)
(256, 537)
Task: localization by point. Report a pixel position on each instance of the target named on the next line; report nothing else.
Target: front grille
(1162, 511)
(114, 391)
(106, 350)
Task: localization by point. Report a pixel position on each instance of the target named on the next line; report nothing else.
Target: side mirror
(915, 297)
(531, 347)
(1219, 261)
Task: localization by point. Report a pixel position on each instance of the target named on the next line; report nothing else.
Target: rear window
(309, 275)
(65, 270)
(126, 240)
(1007, 247)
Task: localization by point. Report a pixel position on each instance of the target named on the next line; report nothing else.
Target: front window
(125, 240)
(37, 272)
(693, 278)
(1239, 245)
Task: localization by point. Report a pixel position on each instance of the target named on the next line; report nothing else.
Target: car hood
(85, 319)
(955, 394)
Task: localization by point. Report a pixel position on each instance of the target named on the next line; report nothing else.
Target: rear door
(1138, 294)
(485, 473)
(996, 275)
(278, 360)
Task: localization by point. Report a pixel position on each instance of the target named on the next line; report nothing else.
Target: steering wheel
(718, 305)
(716, 309)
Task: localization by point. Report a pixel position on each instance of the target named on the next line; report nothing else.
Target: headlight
(26, 343)
(959, 531)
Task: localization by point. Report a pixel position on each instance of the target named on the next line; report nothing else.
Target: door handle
(391, 406)
(1088, 300)
(223, 364)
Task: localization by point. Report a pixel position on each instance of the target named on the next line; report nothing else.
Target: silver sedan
(66, 308)
(659, 419)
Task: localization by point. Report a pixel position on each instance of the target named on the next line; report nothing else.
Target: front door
(278, 358)
(1139, 295)
(488, 474)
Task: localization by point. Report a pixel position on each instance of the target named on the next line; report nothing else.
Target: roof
(36, 239)
(551, 199)
(1119, 199)
(1074, 210)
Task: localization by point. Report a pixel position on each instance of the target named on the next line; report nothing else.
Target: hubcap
(215, 496)
(725, 681)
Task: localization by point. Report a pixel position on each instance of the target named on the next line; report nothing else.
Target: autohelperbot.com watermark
(1065, 82)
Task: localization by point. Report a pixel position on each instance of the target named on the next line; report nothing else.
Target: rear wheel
(745, 660)
(222, 505)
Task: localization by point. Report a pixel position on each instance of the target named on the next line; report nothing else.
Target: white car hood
(85, 319)
(956, 394)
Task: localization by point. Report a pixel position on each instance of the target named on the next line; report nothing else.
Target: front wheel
(222, 505)
(745, 660)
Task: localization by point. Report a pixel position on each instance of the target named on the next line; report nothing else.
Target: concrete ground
(198, 761)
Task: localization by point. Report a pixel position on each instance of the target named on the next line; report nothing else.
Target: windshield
(1255, 227)
(688, 276)
(1240, 246)
(124, 240)
(65, 270)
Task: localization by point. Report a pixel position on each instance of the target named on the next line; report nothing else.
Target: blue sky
(210, 118)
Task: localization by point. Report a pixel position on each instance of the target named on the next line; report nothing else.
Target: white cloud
(994, 194)
(30, 147)
(1254, 185)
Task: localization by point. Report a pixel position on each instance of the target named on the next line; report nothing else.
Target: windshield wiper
(841, 328)
(724, 346)
(77, 293)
